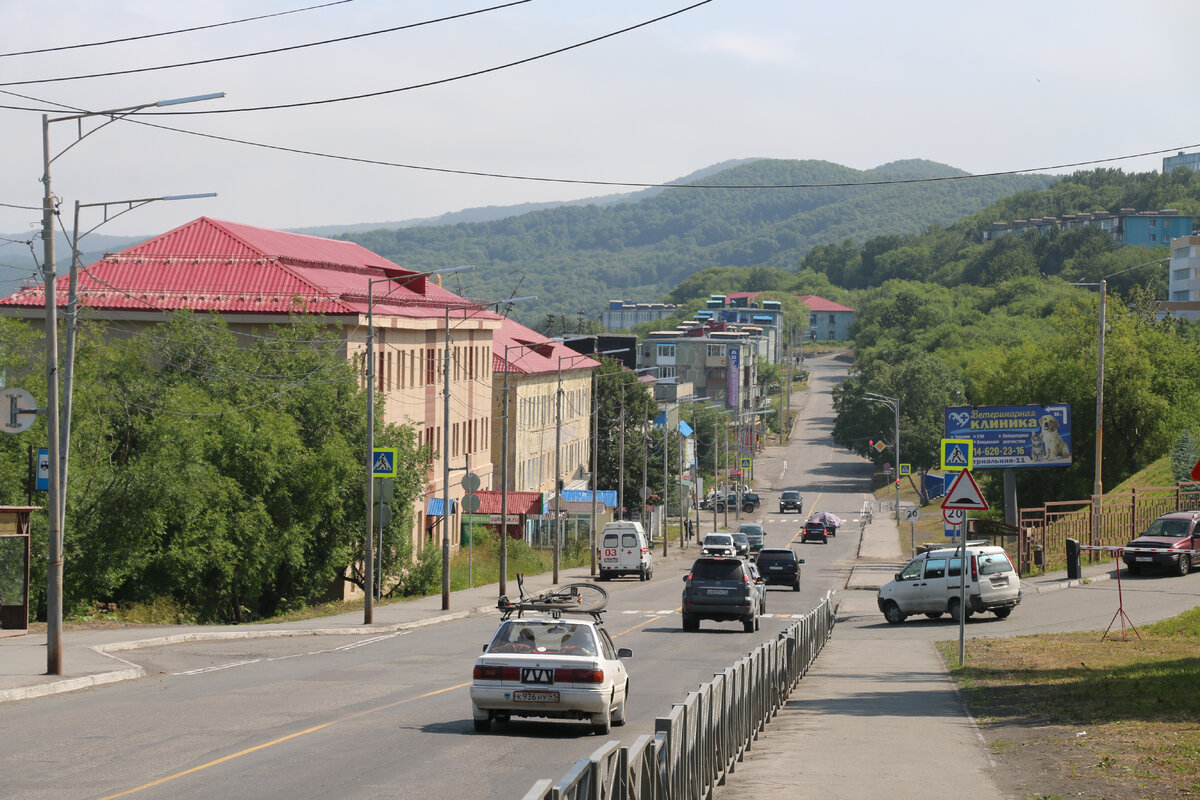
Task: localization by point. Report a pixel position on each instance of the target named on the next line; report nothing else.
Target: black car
(815, 531)
(720, 589)
(790, 500)
(750, 502)
(779, 565)
(741, 544)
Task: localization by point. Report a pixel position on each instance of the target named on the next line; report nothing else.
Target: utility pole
(54, 553)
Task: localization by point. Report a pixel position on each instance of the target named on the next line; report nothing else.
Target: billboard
(1014, 436)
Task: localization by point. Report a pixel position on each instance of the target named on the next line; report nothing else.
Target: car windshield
(740, 538)
(550, 638)
(776, 556)
(751, 529)
(730, 570)
(718, 540)
(1168, 527)
(790, 495)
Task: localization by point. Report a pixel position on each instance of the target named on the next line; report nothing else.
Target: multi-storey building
(1127, 227)
(622, 315)
(255, 277)
(1183, 290)
(1189, 160)
(720, 365)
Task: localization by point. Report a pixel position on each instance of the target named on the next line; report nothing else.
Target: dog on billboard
(1056, 448)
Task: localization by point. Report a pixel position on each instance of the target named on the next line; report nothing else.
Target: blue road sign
(383, 462)
(43, 471)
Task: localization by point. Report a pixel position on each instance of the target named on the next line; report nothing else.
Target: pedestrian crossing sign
(383, 462)
(957, 454)
(746, 463)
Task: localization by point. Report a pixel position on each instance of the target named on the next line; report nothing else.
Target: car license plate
(535, 697)
(718, 591)
(1144, 558)
(775, 567)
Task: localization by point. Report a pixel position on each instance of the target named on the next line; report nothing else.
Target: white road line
(232, 664)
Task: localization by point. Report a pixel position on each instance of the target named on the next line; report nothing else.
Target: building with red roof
(529, 369)
(255, 277)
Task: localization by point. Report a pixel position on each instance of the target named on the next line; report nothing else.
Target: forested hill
(575, 259)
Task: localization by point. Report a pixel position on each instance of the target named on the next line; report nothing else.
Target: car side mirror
(624, 652)
(685, 578)
(485, 647)
(799, 560)
(899, 577)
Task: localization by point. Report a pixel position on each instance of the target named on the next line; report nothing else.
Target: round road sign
(17, 410)
(912, 514)
(954, 516)
(470, 502)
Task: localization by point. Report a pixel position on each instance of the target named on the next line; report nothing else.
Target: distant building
(1189, 160)
(1127, 227)
(1184, 279)
(827, 320)
(624, 314)
(720, 365)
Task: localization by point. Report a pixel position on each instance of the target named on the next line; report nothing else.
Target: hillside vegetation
(575, 259)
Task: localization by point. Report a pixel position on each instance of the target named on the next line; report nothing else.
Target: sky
(982, 87)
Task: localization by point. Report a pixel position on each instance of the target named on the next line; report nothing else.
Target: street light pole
(54, 502)
(894, 404)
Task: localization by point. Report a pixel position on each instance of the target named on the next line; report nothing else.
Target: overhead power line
(267, 52)
(440, 81)
(173, 32)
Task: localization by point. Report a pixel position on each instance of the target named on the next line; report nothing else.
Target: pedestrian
(687, 526)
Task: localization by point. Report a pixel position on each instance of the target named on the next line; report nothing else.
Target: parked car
(760, 585)
(718, 544)
(754, 534)
(930, 584)
(624, 549)
(750, 502)
(741, 544)
(816, 532)
(564, 668)
(790, 500)
(779, 565)
(720, 589)
(1172, 535)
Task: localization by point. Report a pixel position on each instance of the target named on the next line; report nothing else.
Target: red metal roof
(228, 267)
(542, 356)
(518, 502)
(816, 303)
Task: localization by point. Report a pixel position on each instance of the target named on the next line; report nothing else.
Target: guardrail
(701, 740)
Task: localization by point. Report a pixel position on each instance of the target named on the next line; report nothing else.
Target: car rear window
(991, 563)
(610, 540)
(629, 540)
(776, 558)
(730, 570)
(520, 636)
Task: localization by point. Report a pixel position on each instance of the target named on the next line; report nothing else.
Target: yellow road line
(280, 740)
(801, 531)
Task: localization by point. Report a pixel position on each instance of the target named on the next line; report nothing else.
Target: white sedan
(554, 668)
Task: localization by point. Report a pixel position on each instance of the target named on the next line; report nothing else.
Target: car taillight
(565, 675)
(492, 672)
(974, 568)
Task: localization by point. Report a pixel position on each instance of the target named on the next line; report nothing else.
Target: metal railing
(703, 738)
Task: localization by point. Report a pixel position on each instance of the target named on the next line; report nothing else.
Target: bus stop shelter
(14, 569)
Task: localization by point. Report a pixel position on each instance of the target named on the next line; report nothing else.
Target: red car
(1170, 543)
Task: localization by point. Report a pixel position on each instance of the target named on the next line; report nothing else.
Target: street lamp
(1098, 488)
(54, 552)
(894, 404)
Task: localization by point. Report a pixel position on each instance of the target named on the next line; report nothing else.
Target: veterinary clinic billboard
(1014, 436)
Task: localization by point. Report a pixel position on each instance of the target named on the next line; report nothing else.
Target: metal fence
(703, 738)
(1104, 520)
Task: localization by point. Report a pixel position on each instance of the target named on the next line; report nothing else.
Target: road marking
(646, 621)
(280, 740)
(351, 646)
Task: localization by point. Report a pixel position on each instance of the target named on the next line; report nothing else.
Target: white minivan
(930, 584)
(623, 549)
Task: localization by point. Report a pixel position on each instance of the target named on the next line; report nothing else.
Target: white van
(624, 550)
(930, 584)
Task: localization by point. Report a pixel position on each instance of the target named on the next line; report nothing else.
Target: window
(666, 351)
(1153, 236)
(935, 568)
(666, 373)
(912, 571)
(629, 540)
(715, 351)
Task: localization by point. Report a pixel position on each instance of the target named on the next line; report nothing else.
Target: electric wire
(273, 51)
(174, 32)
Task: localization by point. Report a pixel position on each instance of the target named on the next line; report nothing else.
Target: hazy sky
(980, 86)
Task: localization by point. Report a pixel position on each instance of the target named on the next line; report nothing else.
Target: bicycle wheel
(579, 597)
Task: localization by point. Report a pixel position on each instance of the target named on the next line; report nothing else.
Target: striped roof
(529, 352)
(214, 265)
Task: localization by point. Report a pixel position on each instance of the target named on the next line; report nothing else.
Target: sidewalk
(870, 717)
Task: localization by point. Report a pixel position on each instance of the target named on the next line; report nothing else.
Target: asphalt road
(389, 716)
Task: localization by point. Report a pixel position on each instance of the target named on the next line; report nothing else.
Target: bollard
(1074, 569)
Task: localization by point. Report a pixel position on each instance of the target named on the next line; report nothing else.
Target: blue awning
(436, 504)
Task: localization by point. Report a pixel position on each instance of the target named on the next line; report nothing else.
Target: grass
(1119, 716)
